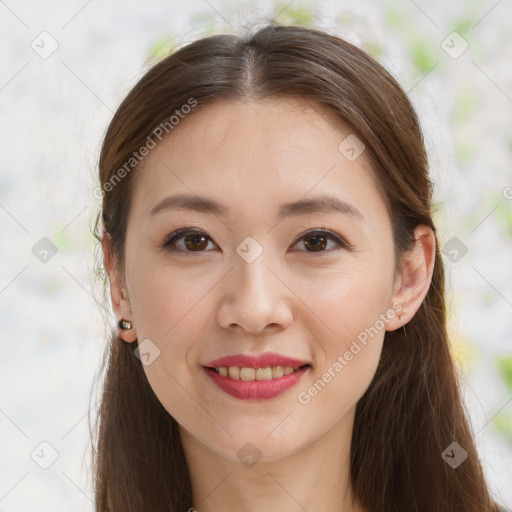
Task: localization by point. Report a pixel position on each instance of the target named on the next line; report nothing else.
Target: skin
(197, 306)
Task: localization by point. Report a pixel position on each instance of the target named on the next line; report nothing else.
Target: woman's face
(258, 277)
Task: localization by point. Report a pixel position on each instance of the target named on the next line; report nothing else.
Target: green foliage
(503, 420)
(395, 19)
(294, 15)
(504, 364)
(463, 26)
(504, 216)
(208, 22)
(465, 152)
(503, 424)
(374, 49)
(466, 102)
(64, 241)
(422, 55)
(345, 18)
(160, 49)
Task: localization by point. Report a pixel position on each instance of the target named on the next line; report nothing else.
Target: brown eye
(318, 241)
(192, 241)
(186, 241)
(195, 242)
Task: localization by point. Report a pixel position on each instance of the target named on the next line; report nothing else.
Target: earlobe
(414, 280)
(119, 294)
(126, 331)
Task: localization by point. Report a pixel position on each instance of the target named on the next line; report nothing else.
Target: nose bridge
(251, 259)
(254, 284)
(253, 296)
(253, 278)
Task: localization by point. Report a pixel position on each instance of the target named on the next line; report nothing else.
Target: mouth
(255, 374)
(255, 383)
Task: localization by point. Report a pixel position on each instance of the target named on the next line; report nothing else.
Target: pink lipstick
(256, 377)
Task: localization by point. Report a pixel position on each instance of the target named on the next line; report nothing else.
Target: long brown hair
(412, 410)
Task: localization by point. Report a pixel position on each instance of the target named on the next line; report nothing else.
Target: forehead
(287, 127)
(256, 152)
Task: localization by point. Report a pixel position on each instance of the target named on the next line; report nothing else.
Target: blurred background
(65, 67)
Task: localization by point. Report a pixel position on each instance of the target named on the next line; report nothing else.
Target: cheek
(170, 306)
(351, 306)
(166, 297)
(346, 298)
(349, 358)
(337, 387)
(349, 331)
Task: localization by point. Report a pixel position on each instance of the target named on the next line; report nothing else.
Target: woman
(274, 269)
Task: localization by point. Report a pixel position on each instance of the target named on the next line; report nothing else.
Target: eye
(186, 240)
(317, 241)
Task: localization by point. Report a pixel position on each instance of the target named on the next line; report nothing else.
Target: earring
(125, 325)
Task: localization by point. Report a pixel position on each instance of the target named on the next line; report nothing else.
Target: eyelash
(181, 233)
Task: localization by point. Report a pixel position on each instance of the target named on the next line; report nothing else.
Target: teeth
(249, 374)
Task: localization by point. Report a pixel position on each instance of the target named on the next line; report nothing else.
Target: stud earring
(125, 325)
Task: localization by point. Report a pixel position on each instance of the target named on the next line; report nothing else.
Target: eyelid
(340, 240)
(183, 231)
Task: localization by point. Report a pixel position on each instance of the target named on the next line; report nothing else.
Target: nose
(254, 298)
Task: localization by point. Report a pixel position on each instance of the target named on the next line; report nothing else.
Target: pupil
(316, 244)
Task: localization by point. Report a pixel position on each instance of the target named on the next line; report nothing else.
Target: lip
(255, 390)
(261, 361)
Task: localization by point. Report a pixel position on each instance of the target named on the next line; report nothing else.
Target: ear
(413, 282)
(118, 292)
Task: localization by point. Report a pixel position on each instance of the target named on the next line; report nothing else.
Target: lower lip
(257, 389)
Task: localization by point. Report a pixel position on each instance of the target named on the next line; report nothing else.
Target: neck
(315, 478)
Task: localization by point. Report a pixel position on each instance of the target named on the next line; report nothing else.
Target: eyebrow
(324, 203)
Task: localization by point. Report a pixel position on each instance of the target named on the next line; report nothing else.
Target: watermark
(454, 45)
(507, 193)
(249, 455)
(44, 455)
(44, 250)
(454, 455)
(44, 45)
(304, 397)
(455, 249)
(351, 147)
(249, 249)
(137, 156)
(147, 352)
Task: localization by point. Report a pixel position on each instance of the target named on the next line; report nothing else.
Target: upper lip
(261, 361)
